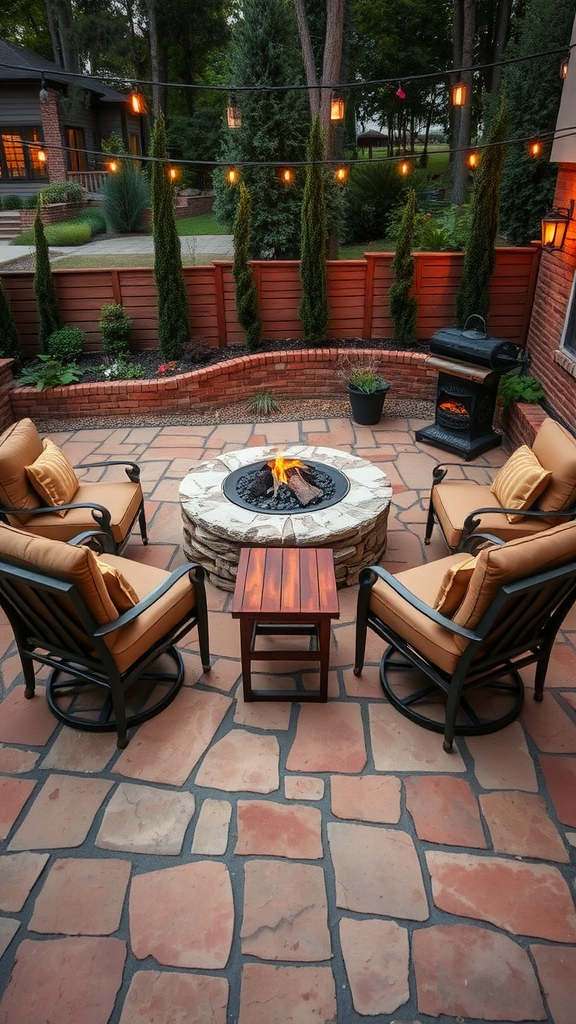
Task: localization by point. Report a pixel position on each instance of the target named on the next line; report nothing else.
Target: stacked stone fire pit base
(215, 528)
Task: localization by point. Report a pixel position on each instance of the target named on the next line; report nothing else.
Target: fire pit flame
(279, 467)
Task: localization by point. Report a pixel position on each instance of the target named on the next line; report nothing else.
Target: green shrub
(31, 202)
(68, 232)
(9, 340)
(523, 388)
(125, 199)
(49, 373)
(62, 192)
(12, 203)
(374, 189)
(65, 344)
(94, 217)
(114, 327)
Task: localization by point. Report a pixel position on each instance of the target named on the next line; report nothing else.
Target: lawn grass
(357, 250)
(204, 224)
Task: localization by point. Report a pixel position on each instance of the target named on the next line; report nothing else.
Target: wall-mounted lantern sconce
(564, 65)
(458, 94)
(233, 113)
(555, 225)
(337, 107)
(44, 94)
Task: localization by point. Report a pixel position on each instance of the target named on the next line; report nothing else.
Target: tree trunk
(53, 34)
(314, 94)
(462, 137)
(154, 58)
(493, 75)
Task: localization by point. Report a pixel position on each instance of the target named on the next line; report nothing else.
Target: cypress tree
(9, 340)
(403, 305)
(173, 317)
(313, 310)
(44, 290)
(480, 255)
(246, 294)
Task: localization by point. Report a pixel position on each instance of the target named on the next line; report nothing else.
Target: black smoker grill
(470, 365)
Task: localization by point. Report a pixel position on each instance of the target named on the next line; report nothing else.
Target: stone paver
(285, 912)
(280, 863)
(193, 916)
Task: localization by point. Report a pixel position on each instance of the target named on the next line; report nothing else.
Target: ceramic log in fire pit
(351, 519)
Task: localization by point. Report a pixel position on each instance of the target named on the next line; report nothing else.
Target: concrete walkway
(285, 863)
(220, 246)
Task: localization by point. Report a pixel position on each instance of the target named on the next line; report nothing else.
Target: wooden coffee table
(285, 592)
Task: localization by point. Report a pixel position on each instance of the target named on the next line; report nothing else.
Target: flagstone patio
(286, 863)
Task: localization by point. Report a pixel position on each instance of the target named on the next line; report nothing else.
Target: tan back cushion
(514, 561)
(61, 561)
(555, 449)
(20, 445)
(520, 481)
(52, 476)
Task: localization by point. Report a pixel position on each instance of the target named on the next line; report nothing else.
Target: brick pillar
(56, 156)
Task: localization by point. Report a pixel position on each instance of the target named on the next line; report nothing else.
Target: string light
(564, 66)
(233, 113)
(341, 174)
(232, 175)
(173, 173)
(287, 176)
(404, 168)
(400, 92)
(472, 161)
(136, 102)
(337, 107)
(535, 148)
(113, 166)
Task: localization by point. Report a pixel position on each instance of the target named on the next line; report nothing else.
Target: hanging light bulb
(287, 176)
(233, 113)
(404, 168)
(113, 166)
(136, 102)
(535, 148)
(472, 161)
(341, 174)
(172, 173)
(458, 94)
(232, 175)
(337, 107)
(400, 92)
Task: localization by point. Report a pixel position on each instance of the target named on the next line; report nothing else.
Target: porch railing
(90, 180)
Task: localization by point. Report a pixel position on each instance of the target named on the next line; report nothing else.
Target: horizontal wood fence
(358, 297)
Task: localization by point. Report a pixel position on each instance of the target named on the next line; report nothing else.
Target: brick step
(10, 225)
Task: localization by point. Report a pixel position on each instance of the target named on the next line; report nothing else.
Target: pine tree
(9, 340)
(173, 317)
(44, 290)
(480, 256)
(533, 88)
(403, 305)
(265, 52)
(313, 310)
(246, 293)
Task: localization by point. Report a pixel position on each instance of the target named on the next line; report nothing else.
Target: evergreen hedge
(313, 310)
(173, 317)
(246, 294)
(403, 305)
(9, 340)
(44, 290)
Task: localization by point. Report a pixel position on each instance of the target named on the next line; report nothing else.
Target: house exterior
(552, 334)
(43, 108)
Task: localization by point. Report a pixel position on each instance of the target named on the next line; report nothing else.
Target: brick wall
(55, 213)
(307, 373)
(554, 368)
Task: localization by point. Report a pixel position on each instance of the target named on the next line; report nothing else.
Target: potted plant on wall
(367, 389)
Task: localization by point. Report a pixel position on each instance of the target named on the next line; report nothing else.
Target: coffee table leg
(246, 626)
(324, 644)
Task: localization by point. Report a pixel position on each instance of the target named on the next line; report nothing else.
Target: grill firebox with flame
(454, 409)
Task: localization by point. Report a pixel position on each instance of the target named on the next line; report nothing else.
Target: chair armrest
(440, 471)
(87, 535)
(132, 468)
(471, 522)
(196, 573)
(100, 515)
(379, 573)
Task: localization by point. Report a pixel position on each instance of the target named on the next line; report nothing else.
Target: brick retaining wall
(307, 373)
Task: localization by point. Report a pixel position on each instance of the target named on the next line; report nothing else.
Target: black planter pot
(366, 408)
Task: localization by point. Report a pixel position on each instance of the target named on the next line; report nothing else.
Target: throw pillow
(453, 587)
(52, 476)
(120, 592)
(520, 482)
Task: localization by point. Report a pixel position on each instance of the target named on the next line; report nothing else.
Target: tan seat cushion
(20, 445)
(122, 595)
(454, 586)
(520, 481)
(555, 449)
(77, 565)
(52, 476)
(432, 640)
(514, 561)
(132, 641)
(121, 498)
(456, 499)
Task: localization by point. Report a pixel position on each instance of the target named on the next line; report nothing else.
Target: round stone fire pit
(215, 528)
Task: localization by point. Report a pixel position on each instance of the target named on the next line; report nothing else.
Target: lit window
(19, 149)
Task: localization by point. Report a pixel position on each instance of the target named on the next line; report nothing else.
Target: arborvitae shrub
(9, 340)
(246, 294)
(403, 305)
(44, 290)
(66, 344)
(173, 319)
(313, 310)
